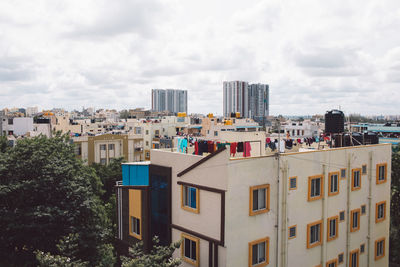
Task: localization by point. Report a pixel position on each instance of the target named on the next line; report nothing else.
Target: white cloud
(315, 56)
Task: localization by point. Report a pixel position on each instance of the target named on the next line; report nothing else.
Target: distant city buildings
(251, 100)
(172, 100)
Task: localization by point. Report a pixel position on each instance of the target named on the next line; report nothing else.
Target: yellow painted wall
(135, 209)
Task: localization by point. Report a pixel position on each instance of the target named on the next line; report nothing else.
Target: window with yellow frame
(380, 248)
(333, 228)
(380, 211)
(314, 234)
(333, 183)
(381, 173)
(332, 263)
(355, 179)
(190, 249)
(355, 220)
(315, 187)
(190, 198)
(259, 199)
(259, 252)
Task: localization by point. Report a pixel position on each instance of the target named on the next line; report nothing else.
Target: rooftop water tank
(334, 121)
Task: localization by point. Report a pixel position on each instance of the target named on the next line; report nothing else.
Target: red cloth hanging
(196, 148)
(233, 148)
(247, 149)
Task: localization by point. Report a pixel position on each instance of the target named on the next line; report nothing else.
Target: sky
(315, 55)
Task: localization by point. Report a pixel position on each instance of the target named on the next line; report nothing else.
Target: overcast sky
(315, 55)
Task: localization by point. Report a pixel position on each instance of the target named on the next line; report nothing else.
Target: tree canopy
(46, 194)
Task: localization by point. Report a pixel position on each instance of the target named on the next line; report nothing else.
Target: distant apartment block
(104, 148)
(172, 100)
(31, 111)
(251, 100)
(315, 208)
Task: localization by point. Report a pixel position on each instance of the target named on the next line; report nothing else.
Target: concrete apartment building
(315, 208)
(303, 129)
(103, 148)
(172, 100)
(252, 101)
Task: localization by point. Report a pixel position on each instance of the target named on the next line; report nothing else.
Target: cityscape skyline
(112, 55)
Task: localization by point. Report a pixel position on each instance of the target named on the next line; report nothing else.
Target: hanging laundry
(183, 145)
(210, 147)
(178, 144)
(221, 145)
(196, 148)
(282, 146)
(268, 140)
(240, 147)
(247, 149)
(233, 148)
(289, 144)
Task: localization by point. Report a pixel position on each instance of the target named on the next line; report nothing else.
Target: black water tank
(371, 138)
(358, 139)
(334, 121)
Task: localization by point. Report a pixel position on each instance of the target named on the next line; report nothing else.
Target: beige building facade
(314, 208)
(103, 148)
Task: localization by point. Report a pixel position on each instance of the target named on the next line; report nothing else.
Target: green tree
(160, 256)
(46, 193)
(3, 144)
(394, 209)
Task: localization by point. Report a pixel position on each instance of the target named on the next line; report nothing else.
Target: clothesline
(209, 146)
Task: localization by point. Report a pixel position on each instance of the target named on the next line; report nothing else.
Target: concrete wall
(23, 125)
(287, 207)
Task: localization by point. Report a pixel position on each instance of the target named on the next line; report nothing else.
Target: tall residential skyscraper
(172, 100)
(252, 101)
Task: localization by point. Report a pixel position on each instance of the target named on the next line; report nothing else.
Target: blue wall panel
(135, 174)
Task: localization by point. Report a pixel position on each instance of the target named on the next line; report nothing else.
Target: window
(259, 199)
(103, 161)
(355, 220)
(381, 173)
(332, 263)
(147, 143)
(342, 173)
(147, 132)
(341, 216)
(315, 187)
(190, 249)
(111, 146)
(362, 248)
(314, 234)
(333, 183)
(379, 248)
(380, 211)
(292, 231)
(103, 147)
(259, 252)
(364, 169)
(135, 226)
(215, 133)
(363, 209)
(78, 149)
(354, 258)
(292, 183)
(356, 179)
(190, 198)
(333, 228)
(340, 258)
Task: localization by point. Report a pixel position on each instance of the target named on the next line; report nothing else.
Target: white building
(315, 208)
(172, 100)
(31, 111)
(252, 101)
